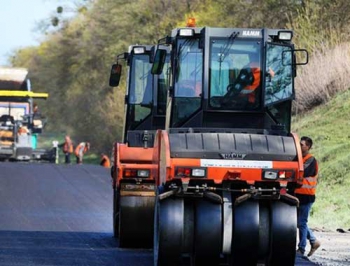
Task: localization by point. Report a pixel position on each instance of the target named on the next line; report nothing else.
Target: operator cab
(237, 79)
(145, 96)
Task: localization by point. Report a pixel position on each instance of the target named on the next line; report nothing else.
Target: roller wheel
(115, 214)
(245, 245)
(264, 231)
(283, 233)
(208, 233)
(136, 214)
(168, 231)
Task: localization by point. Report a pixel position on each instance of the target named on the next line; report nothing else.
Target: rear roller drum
(283, 233)
(168, 231)
(207, 233)
(245, 245)
(136, 214)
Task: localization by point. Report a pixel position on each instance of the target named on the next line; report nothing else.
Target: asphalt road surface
(61, 215)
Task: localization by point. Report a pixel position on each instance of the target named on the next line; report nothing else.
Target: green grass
(329, 127)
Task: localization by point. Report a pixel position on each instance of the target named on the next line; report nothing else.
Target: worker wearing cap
(306, 195)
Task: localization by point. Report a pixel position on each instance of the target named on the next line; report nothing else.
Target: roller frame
(227, 223)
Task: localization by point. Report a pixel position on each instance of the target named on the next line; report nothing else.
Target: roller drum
(168, 231)
(283, 234)
(136, 221)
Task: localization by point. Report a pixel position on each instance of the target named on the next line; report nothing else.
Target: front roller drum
(283, 234)
(136, 220)
(168, 231)
(245, 245)
(207, 233)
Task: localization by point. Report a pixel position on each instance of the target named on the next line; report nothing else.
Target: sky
(18, 24)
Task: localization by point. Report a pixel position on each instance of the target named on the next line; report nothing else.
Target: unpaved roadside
(334, 249)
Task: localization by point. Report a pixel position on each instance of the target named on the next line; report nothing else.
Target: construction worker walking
(80, 150)
(105, 162)
(306, 195)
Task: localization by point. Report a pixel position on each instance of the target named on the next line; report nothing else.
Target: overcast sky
(18, 23)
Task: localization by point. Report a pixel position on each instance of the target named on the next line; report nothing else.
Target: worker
(36, 111)
(244, 91)
(67, 148)
(22, 130)
(80, 150)
(306, 195)
(105, 162)
(253, 81)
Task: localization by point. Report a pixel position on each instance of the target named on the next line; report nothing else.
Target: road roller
(133, 182)
(228, 162)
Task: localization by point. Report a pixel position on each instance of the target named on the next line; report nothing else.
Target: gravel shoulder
(334, 249)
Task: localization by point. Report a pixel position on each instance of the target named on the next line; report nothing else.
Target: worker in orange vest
(245, 90)
(307, 195)
(253, 82)
(67, 148)
(105, 162)
(80, 150)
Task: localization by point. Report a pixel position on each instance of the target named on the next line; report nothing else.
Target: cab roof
(13, 78)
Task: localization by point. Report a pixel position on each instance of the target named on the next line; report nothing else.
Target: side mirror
(295, 57)
(114, 77)
(302, 57)
(159, 61)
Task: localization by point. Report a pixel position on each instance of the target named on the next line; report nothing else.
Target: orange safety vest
(68, 147)
(309, 182)
(250, 89)
(105, 162)
(77, 149)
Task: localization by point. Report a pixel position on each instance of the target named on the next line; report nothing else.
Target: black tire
(168, 231)
(115, 213)
(283, 234)
(136, 214)
(245, 245)
(207, 233)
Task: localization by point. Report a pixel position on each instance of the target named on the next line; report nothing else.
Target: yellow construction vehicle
(19, 122)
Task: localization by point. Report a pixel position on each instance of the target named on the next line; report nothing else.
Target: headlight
(190, 172)
(139, 50)
(134, 173)
(285, 35)
(274, 174)
(143, 173)
(198, 172)
(270, 175)
(186, 32)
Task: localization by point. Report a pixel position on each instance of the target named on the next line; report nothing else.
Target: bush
(327, 73)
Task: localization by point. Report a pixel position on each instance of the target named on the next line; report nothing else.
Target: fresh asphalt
(61, 215)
